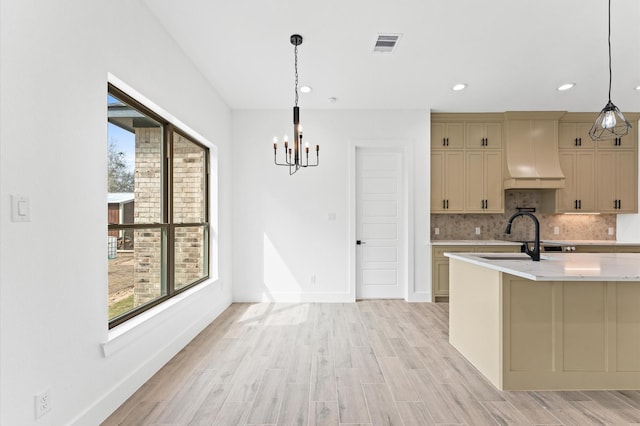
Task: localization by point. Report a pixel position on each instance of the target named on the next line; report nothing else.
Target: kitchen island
(570, 321)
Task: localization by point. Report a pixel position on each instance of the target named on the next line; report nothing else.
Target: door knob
(359, 242)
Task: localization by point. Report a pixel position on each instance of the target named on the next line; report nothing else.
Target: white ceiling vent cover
(386, 43)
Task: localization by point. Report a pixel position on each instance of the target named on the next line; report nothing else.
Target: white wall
(281, 229)
(54, 60)
(628, 225)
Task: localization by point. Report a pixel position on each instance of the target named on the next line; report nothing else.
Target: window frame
(168, 226)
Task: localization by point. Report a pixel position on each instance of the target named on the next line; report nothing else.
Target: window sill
(128, 332)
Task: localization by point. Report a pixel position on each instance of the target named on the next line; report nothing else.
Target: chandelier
(610, 123)
(293, 157)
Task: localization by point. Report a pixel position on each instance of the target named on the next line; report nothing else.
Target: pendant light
(293, 157)
(610, 123)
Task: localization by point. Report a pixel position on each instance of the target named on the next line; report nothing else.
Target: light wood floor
(380, 362)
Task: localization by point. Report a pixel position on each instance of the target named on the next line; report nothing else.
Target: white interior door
(380, 227)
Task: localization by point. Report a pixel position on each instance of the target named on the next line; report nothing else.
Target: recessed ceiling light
(566, 86)
(637, 87)
(458, 87)
(305, 89)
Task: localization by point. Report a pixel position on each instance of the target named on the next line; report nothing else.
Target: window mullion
(168, 208)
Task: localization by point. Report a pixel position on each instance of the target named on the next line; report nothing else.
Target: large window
(158, 220)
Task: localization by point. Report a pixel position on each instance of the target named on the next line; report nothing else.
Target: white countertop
(475, 243)
(561, 266)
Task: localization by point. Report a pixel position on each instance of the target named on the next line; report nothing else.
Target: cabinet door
(441, 278)
(494, 135)
(617, 181)
(566, 197)
(447, 135)
(475, 135)
(584, 140)
(624, 142)
(606, 175)
(484, 188)
(574, 136)
(626, 182)
(494, 192)
(437, 183)
(586, 181)
(484, 136)
(454, 181)
(447, 181)
(567, 136)
(474, 190)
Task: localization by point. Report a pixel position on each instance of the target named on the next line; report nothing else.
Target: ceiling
(513, 54)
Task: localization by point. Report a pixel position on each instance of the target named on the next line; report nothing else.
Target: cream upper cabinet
(483, 135)
(483, 190)
(447, 135)
(447, 181)
(574, 136)
(617, 180)
(623, 142)
(578, 194)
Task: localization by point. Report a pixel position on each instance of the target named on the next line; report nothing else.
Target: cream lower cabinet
(592, 248)
(440, 265)
(483, 189)
(447, 181)
(617, 180)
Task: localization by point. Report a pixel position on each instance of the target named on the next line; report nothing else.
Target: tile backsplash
(570, 226)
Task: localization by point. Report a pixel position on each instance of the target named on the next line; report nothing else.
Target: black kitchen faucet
(535, 253)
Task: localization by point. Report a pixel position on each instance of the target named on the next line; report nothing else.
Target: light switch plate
(20, 209)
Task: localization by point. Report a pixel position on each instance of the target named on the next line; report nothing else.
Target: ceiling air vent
(386, 43)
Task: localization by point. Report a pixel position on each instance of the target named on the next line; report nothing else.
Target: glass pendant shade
(609, 124)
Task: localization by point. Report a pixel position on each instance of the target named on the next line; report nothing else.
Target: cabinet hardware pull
(447, 203)
(575, 204)
(444, 206)
(579, 141)
(576, 142)
(580, 204)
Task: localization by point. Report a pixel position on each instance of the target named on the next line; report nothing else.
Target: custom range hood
(531, 151)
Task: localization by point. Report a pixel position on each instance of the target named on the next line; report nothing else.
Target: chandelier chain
(295, 50)
(609, 41)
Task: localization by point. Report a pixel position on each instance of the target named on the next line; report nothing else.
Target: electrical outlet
(477, 230)
(437, 231)
(312, 279)
(610, 231)
(556, 230)
(42, 403)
